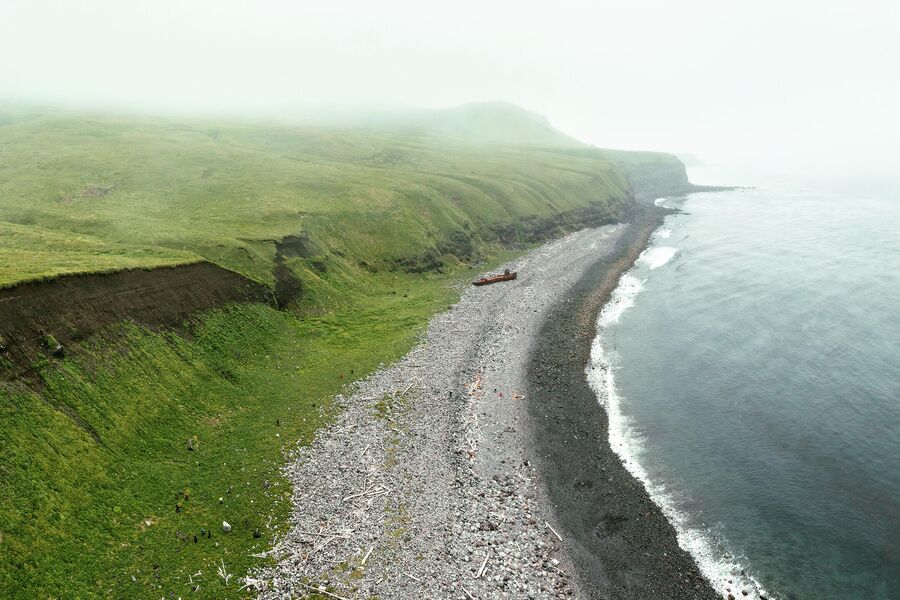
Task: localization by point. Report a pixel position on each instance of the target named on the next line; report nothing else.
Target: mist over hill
(475, 123)
(116, 191)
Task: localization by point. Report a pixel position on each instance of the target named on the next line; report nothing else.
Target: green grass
(35, 253)
(81, 193)
(97, 484)
(80, 517)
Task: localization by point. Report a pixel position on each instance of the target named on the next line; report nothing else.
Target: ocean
(750, 367)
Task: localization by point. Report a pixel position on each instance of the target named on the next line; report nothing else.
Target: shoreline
(622, 545)
(434, 480)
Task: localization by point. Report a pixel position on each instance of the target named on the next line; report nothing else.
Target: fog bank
(807, 86)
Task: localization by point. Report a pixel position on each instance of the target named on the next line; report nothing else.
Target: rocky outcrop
(652, 174)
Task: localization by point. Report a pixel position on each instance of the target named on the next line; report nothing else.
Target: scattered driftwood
(475, 385)
(321, 590)
(337, 535)
(223, 572)
(390, 478)
(470, 419)
(369, 492)
(252, 584)
(322, 545)
(559, 537)
(483, 565)
(195, 587)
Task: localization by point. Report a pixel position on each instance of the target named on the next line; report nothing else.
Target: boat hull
(496, 279)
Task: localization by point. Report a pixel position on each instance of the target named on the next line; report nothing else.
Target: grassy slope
(179, 191)
(79, 517)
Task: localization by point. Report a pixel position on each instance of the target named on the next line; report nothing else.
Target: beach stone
(430, 491)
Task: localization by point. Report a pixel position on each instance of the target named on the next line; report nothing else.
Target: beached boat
(507, 276)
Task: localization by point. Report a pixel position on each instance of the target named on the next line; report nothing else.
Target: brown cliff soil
(73, 308)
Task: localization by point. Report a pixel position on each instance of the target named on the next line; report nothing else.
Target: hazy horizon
(808, 88)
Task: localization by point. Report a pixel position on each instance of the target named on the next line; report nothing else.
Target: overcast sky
(805, 84)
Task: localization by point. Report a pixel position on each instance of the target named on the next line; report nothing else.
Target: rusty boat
(507, 276)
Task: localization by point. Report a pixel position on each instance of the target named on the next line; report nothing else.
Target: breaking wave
(655, 257)
(620, 300)
(723, 570)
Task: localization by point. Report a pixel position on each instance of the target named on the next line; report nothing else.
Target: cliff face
(36, 317)
(652, 174)
(458, 219)
(645, 175)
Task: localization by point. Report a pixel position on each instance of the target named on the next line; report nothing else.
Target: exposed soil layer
(73, 308)
(619, 541)
(288, 287)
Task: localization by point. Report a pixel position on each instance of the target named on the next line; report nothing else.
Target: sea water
(750, 367)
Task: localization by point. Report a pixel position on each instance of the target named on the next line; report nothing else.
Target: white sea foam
(656, 256)
(627, 442)
(663, 233)
(621, 298)
(660, 201)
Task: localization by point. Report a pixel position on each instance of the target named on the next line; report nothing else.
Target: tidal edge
(617, 540)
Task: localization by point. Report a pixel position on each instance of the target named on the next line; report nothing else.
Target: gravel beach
(439, 478)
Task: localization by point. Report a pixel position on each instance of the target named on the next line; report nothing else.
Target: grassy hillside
(119, 462)
(83, 193)
(80, 517)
